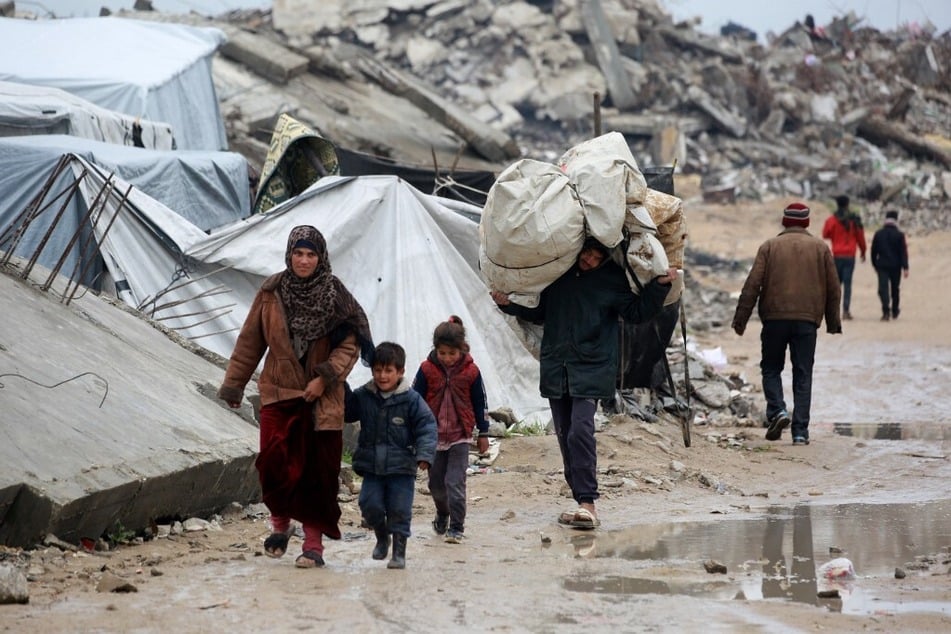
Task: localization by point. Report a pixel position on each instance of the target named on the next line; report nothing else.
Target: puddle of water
(779, 556)
(893, 431)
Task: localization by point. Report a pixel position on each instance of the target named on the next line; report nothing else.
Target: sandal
(565, 518)
(276, 545)
(584, 519)
(309, 559)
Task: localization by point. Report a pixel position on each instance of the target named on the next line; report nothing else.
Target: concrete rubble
(110, 424)
(855, 111)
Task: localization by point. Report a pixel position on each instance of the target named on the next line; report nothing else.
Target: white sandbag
(661, 216)
(531, 231)
(645, 255)
(606, 176)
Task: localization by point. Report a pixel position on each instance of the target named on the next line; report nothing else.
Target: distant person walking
(793, 280)
(844, 230)
(890, 259)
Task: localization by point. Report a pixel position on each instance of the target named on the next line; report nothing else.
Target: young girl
(451, 383)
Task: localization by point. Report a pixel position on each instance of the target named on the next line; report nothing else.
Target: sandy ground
(520, 572)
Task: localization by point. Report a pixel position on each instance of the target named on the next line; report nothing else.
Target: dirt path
(520, 572)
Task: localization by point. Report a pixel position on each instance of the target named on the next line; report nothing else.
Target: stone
(714, 567)
(13, 585)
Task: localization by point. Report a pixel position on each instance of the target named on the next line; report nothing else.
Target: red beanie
(796, 215)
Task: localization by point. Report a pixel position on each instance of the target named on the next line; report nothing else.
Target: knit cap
(796, 215)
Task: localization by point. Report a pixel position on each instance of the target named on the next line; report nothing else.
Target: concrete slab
(105, 421)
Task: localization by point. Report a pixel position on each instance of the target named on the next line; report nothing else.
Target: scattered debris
(714, 567)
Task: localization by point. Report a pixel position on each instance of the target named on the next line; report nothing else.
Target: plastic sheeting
(408, 259)
(157, 71)
(207, 189)
(26, 110)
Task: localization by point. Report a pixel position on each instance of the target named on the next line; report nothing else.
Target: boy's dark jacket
(395, 433)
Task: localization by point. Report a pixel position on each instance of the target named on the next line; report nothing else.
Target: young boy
(397, 435)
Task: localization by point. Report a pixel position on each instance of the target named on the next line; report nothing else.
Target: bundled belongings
(537, 217)
(297, 158)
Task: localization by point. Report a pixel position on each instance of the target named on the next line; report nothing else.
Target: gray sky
(759, 15)
(769, 15)
(90, 8)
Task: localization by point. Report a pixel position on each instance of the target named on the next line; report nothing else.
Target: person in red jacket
(451, 383)
(844, 230)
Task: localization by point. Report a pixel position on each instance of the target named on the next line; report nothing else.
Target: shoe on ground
(847, 316)
(440, 524)
(895, 313)
(309, 559)
(799, 440)
(454, 537)
(776, 426)
(585, 519)
(276, 545)
(886, 317)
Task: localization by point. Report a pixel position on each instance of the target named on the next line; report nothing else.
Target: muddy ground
(665, 509)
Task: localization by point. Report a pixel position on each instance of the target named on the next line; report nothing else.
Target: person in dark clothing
(397, 437)
(890, 259)
(579, 357)
(793, 285)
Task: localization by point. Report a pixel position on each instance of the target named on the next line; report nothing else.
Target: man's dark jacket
(580, 312)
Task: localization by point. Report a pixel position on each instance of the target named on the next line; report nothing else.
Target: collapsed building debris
(856, 111)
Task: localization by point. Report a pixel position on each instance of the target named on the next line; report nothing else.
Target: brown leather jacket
(282, 378)
(793, 277)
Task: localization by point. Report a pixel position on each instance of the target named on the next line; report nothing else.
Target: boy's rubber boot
(382, 543)
(399, 552)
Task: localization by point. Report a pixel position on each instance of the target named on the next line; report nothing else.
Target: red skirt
(299, 467)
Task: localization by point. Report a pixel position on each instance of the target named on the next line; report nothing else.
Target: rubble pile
(813, 113)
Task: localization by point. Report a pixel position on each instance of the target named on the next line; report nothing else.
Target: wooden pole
(597, 114)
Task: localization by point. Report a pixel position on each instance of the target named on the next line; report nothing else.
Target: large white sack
(531, 231)
(607, 179)
(645, 255)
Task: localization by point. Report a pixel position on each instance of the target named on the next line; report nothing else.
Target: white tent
(26, 110)
(207, 189)
(410, 260)
(152, 70)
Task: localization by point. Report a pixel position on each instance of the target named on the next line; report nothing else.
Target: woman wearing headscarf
(313, 331)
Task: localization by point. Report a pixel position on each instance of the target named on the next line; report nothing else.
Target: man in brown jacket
(795, 282)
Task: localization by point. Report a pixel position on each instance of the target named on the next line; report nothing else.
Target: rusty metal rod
(94, 216)
(98, 248)
(18, 227)
(197, 312)
(217, 290)
(75, 238)
(169, 289)
(198, 323)
(49, 232)
(212, 334)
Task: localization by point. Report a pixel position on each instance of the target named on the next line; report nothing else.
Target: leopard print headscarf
(316, 305)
